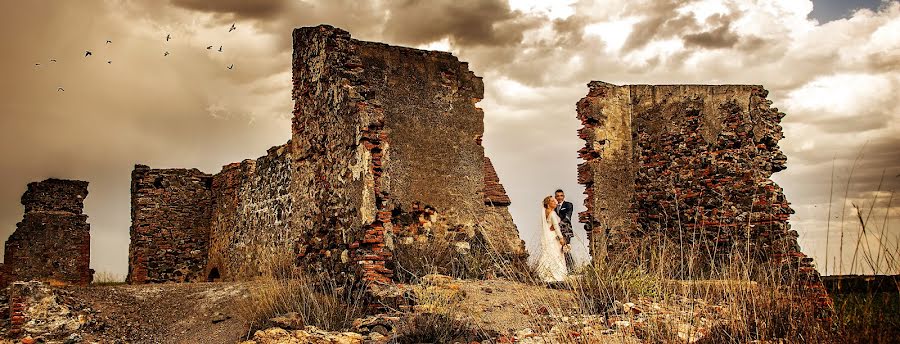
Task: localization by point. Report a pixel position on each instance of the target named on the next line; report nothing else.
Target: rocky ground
(492, 311)
(152, 313)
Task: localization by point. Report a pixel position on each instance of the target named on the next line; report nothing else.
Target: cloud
(257, 9)
(465, 23)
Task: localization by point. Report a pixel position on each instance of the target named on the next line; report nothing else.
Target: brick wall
(52, 242)
(252, 229)
(386, 143)
(688, 165)
(500, 230)
(381, 135)
(170, 224)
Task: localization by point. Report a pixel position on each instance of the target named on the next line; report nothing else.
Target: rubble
(40, 312)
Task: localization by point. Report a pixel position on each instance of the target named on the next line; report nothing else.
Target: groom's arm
(567, 212)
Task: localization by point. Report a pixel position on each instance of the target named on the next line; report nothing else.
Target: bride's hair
(547, 201)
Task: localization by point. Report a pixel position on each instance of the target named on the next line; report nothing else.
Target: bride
(551, 263)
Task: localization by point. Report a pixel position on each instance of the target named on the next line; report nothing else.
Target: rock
(219, 317)
(288, 321)
(436, 279)
(73, 338)
(524, 333)
(622, 324)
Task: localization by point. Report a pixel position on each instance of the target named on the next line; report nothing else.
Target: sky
(832, 66)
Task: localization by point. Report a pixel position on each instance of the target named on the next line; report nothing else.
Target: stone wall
(52, 242)
(381, 134)
(170, 224)
(385, 148)
(687, 165)
(252, 228)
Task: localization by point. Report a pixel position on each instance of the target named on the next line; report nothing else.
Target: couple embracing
(555, 260)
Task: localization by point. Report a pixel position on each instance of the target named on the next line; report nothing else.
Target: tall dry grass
(320, 299)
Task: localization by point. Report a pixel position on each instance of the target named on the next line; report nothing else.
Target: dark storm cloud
(465, 23)
(720, 37)
(663, 22)
(256, 9)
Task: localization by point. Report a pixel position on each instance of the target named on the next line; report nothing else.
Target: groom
(564, 211)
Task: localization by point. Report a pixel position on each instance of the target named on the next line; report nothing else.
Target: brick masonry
(170, 224)
(386, 143)
(252, 227)
(380, 134)
(688, 165)
(52, 242)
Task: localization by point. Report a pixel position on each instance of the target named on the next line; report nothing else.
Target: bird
(220, 48)
(37, 64)
(232, 28)
(231, 66)
(108, 62)
(168, 36)
(52, 60)
(166, 54)
(87, 53)
(108, 41)
(58, 89)
(208, 47)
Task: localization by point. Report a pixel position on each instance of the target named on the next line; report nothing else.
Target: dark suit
(564, 211)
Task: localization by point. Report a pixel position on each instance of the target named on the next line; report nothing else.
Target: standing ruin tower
(380, 131)
(687, 167)
(52, 242)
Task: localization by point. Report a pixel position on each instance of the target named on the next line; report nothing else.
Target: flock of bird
(88, 53)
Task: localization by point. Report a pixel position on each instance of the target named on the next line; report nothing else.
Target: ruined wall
(500, 230)
(52, 242)
(687, 165)
(385, 148)
(380, 132)
(252, 229)
(170, 224)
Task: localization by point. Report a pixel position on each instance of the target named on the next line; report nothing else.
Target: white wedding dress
(551, 263)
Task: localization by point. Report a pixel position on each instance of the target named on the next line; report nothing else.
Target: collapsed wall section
(170, 224)
(688, 165)
(52, 242)
(381, 135)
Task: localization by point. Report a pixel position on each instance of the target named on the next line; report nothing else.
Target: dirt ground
(166, 313)
(211, 312)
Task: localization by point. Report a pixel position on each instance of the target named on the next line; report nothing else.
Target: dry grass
(104, 278)
(317, 300)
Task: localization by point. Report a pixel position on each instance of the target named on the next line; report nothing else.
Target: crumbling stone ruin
(170, 224)
(52, 242)
(687, 165)
(385, 152)
(382, 132)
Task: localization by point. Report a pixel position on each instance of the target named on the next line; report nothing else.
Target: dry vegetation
(741, 300)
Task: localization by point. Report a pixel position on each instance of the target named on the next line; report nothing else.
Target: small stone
(622, 324)
(219, 317)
